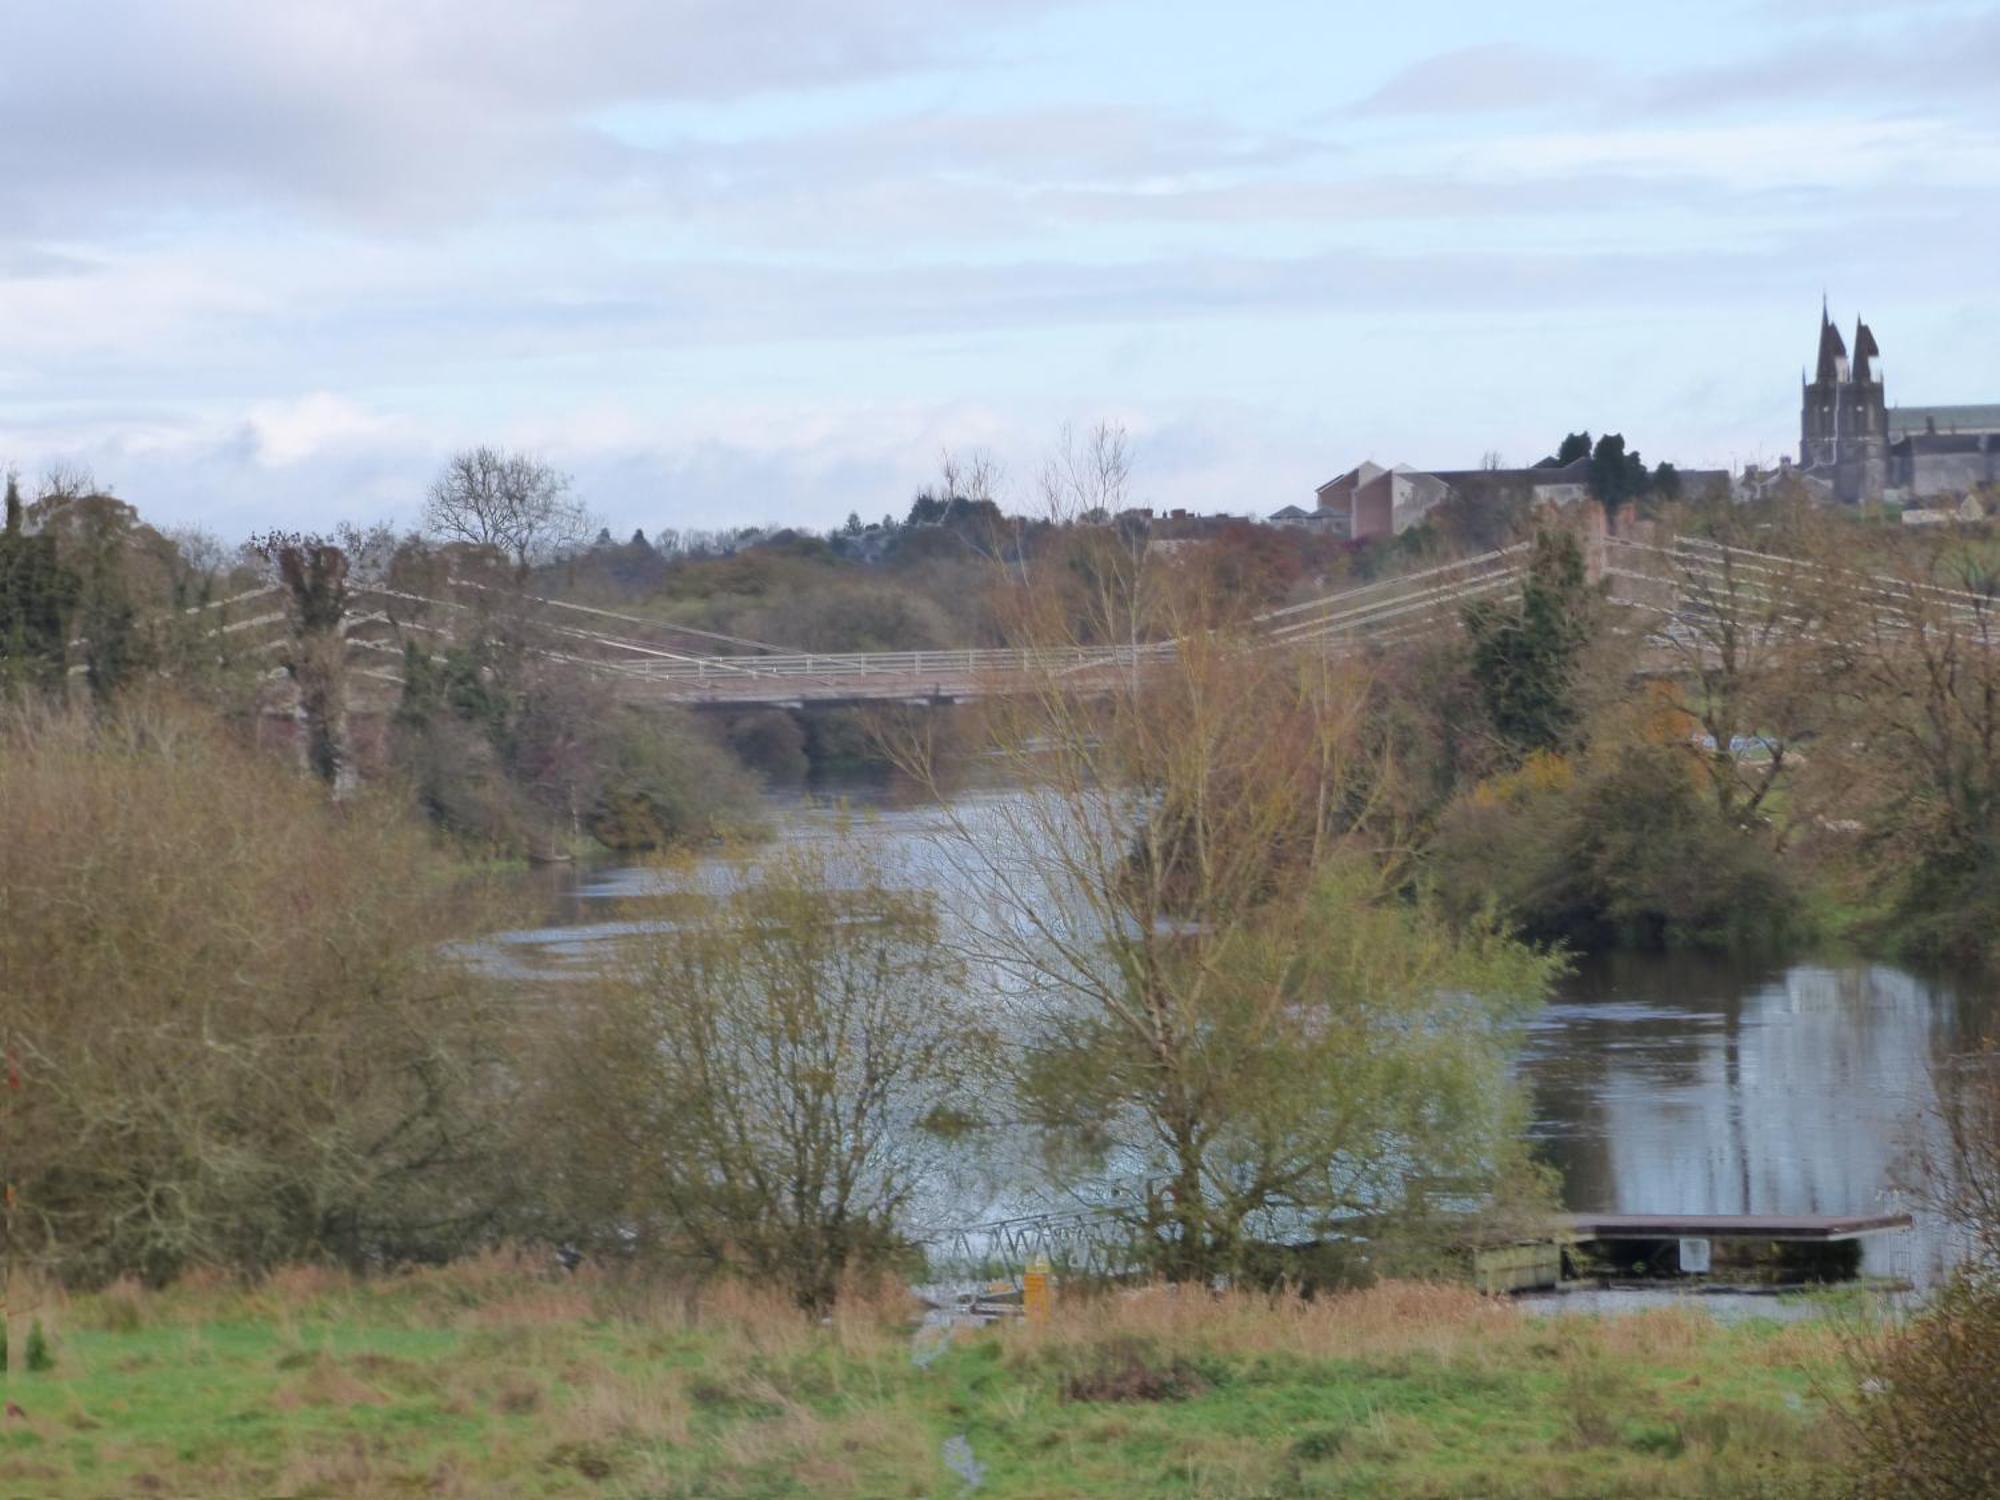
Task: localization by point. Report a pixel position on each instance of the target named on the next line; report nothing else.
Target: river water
(1660, 1083)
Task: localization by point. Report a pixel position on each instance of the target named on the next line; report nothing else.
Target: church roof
(1907, 421)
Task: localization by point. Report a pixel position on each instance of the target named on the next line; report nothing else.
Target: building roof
(1361, 473)
(1942, 442)
(1905, 421)
(1290, 513)
(1576, 471)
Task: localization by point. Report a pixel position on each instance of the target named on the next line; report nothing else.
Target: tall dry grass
(1392, 1317)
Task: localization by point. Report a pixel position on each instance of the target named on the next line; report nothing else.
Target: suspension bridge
(1678, 586)
(648, 661)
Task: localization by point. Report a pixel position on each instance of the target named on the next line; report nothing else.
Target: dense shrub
(242, 1037)
(1945, 904)
(1929, 1384)
(663, 783)
(1621, 849)
(853, 616)
(769, 740)
(1930, 1389)
(520, 755)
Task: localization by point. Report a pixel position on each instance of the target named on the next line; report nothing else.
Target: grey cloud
(1931, 55)
(1021, 148)
(942, 177)
(715, 304)
(1489, 78)
(478, 327)
(1939, 60)
(803, 470)
(388, 110)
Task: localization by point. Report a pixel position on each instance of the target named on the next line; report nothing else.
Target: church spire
(1832, 368)
(1865, 349)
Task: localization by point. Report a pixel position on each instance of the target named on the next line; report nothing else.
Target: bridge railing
(1395, 603)
(1700, 574)
(1386, 609)
(961, 663)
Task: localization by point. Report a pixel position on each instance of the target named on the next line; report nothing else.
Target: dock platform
(1815, 1229)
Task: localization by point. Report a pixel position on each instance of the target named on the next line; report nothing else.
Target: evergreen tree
(37, 596)
(106, 620)
(1617, 477)
(1525, 653)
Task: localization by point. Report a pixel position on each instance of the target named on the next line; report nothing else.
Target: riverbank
(490, 1379)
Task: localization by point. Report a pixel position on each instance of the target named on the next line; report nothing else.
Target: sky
(733, 262)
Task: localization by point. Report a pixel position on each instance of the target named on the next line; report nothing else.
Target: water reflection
(1661, 1083)
(1681, 1083)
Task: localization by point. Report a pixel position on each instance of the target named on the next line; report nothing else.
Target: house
(1303, 519)
(1370, 501)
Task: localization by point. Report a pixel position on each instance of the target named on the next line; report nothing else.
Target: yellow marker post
(1035, 1290)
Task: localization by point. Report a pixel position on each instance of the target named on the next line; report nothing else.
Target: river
(1660, 1083)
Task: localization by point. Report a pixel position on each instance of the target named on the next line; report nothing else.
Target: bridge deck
(1814, 1228)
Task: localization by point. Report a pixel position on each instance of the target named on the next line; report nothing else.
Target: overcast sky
(732, 261)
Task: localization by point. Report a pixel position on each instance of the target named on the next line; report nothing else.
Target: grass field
(493, 1380)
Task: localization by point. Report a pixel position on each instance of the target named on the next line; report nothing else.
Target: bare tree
(1228, 1025)
(973, 476)
(1744, 632)
(1910, 654)
(68, 480)
(1088, 478)
(512, 502)
(752, 1092)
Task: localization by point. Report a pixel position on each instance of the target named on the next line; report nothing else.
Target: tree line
(1252, 929)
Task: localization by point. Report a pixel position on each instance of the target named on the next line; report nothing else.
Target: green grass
(491, 1380)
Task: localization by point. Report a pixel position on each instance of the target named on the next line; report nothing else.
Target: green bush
(769, 740)
(1947, 905)
(666, 783)
(1624, 852)
(519, 757)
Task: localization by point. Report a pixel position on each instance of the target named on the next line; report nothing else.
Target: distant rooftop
(1905, 421)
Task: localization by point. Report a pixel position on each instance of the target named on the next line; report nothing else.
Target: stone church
(1862, 449)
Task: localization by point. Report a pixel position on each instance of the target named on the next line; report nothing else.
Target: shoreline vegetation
(501, 1377)
(1810, 757)
(1256, 928)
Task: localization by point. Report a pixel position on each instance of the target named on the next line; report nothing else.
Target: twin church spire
(1834, 367)
(1843, 418)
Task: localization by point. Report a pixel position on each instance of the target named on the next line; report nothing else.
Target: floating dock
(1811, 1229)
(1754, 1248)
